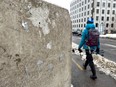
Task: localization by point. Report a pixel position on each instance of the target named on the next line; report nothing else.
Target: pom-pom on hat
(90, 20)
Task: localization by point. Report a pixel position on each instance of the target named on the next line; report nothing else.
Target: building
(103, 12)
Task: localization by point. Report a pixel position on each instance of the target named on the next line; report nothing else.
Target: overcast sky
(61, 3)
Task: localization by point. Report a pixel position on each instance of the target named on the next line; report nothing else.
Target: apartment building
(103, 12)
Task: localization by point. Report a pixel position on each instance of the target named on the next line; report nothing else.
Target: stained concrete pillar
(35, 44)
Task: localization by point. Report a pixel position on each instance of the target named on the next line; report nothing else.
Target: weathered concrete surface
(35, 44)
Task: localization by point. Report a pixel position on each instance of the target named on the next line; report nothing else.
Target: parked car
(76, 32)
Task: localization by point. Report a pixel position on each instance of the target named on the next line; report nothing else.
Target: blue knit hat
(90, 20)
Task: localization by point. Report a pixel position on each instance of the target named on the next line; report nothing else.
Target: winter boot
(84, 67)
(93, 71)
(93, 77)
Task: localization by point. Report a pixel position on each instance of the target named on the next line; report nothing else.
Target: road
(107, 45)
(80, 77)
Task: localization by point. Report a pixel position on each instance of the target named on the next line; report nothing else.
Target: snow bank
(105, 65)
(109, 35)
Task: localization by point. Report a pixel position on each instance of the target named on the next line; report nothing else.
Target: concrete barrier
(35, 44)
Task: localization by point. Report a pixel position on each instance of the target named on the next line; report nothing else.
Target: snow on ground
(109, 36)
(71, 85)
(103, 64)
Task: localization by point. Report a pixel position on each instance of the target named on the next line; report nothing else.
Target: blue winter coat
(84, 37)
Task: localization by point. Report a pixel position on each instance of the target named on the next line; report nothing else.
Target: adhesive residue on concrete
(39, 17)
(49, 45)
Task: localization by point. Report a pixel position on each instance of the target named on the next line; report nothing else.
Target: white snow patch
(109, 35)
(75, 47)
(72, 85)
(105, 65)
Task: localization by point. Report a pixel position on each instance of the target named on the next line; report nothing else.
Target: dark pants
(89, 60)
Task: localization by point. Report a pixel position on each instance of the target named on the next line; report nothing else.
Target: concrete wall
(35, 44)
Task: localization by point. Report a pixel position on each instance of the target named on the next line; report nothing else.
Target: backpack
(93, 37)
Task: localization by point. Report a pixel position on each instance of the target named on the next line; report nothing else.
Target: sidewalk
(110, 36)
(80, 78)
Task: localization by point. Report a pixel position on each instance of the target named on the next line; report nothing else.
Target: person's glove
(79, 49)
(97, 51)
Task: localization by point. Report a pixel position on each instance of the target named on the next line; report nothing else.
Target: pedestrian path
(80, 77)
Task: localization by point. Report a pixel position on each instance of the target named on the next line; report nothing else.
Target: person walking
(90, 44)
